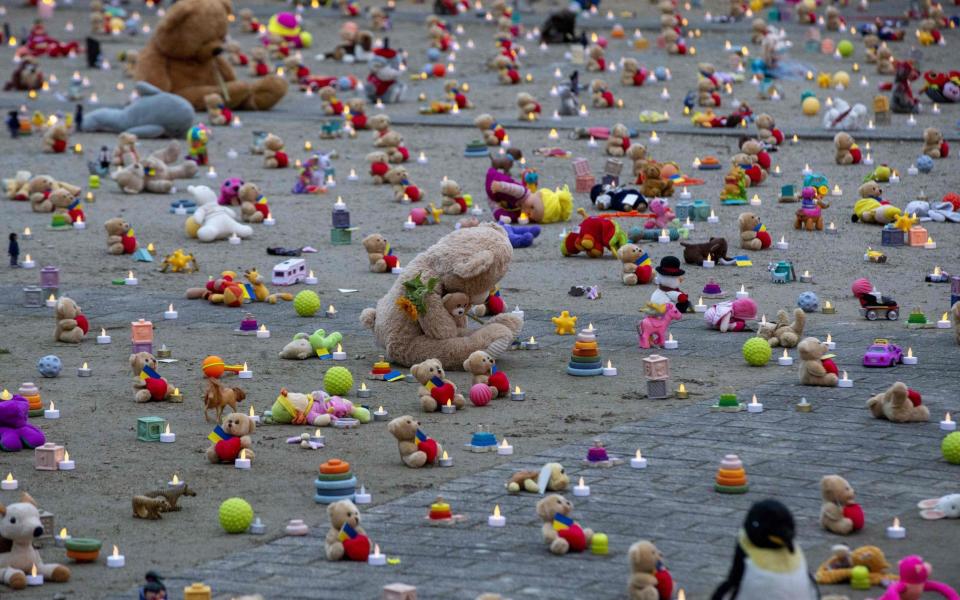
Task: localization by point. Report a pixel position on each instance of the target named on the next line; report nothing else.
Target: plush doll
(19, 523)
(707, 94)
(899, 404)
(550, 478)
(120, 238)
(147, 383)
(758, 156)
(483, 367)
(520, 236)
(759, 31)
(56, 138)
(619, 141)
(293, 408)
(383, 82)
(248, 22)
(379, 253)
(379, 166)
(847, 151)
(435, 390)
(838, 568)
(319, 343)
(379, 20)
(637, 268)
(649, 578)
(38, 191)
(259, 62)
(602, 96)
(753, 234)
(663, 214)
(151, 175)
(125, 151)
(944, 507)
(16, 433)
(330, 104)
(886, 63)
(593, 236)
(234, 52)
(528, 106)
(632, 74)
(902, 100)
(813, 367)
(72, 325)
(673, 43)
(914, 581)
(358, 113)
(560, 532)
(216, 109)
(731, 315)
(453, 201)
(230, 438)
(345, 538)
(229, 190)
(416, 449)
(620, 199)
(839, 513)
(211, 222)
(507, 72)
(390, 141)
(653, 186)
(493, 132)
(782, 332)
(934, 145)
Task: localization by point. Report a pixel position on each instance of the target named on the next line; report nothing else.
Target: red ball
(418, 215)
(480, 394)
(861, 286)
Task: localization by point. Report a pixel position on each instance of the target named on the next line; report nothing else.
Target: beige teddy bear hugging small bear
(552, 477)
(452, 201)
(341, 512)
(240, 426)
(427, 371)
(765, 126)
(457, 304)
(405, 430)
(782, 332)
(117, 228)
(644, 558)
(577, 540)
(147, 389)
(895, 405)
(618, 140)
(485, 123)
(68, 328)
(376, 246)
(843, 143)
(811, 369)
(836, 493)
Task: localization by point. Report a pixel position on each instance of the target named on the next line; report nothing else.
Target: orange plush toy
(223, 290)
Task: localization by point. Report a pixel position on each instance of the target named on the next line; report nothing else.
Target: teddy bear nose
(37, 532)
(217, 51)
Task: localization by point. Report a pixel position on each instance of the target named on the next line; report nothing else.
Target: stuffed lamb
(841, 117)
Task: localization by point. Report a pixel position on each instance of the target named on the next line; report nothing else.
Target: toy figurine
(197, 138)
(13, 123)
(731, 315)
(809, 216)
(309, 178)
(154, 588)
(13, 249)
(668, 280)
(100, 166)
(914, 580)
(652, 330)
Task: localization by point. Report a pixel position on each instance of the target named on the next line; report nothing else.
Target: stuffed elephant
(154, 114)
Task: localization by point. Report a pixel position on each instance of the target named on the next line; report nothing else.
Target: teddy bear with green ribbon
(319, 344)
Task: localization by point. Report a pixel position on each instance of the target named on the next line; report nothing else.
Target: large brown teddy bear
(895, 405)
(570, 539)
(838, 513)
(239, 426)
(812, 371)
(71, 324)
(345, 512)
(186, 56)
(147, 388)
(782, 332)
(469, 260)
(416, 449)
(440, 391)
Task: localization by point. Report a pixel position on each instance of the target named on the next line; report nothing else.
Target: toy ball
(950, 447)
(337, 381)
(810, 106)
(213, 366)
(826, 46)
(668, 170)
(845, 48)
(841, 78)
(808, 302)
(346, 83)
(433, 54)
(418, 215)
(236, 515)
(480, 394)
(757, 352)
(439, 70)
(924, 163)
(306, 303)
(49, 365)
(660, 73)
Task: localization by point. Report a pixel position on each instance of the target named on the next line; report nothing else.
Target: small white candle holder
(263, 333)
(170, 314)
(504, 449)
(895, 531)
(9, 484)
(754, 407)
(785, 360)
(235, 240)
(947, 424)
(496, 519)
(362, 496)
(638, 462)
(242, 462)
(116, 560)
(581, 490)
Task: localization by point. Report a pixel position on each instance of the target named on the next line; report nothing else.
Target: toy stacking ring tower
(585, 360)
(731, 477)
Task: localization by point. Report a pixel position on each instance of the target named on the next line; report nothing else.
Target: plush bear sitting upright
(753, 234)
(435, 390)
(637, 267)
(653, 186)
(813, 369)
(560, 532)
(71, 324)
(20, 523)
(649, 579)
(839, 513)
(899, 404)
(147, 383)
(120, 238)
(185, 56)
(345, 538)
(416, 449)
(483, 367)
(231, 438)
(379, 253)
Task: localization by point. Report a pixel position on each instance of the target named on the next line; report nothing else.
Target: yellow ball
(841, 78)
(756, 5)
(810, 106)
(191, 227)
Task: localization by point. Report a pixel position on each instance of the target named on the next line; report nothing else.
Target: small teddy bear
(274, 156)
(218, 111)
(379, 166)
(552, 477)
(253, 204)
(899, 404)
(55, 139)
(847, 152)
(886, 64)
(707, 94)
(782, 332)
(619, 141)
(560, 532)
(457, 94)
(483, 367)
(457, 304)
(330, 103)
(753, 233)
(632, 73)
(379, 253)
(596, 61)
(147, 383)
(453, 201)
(813, 368)
(839, 513)
(434, 389)
(833, 20)
(125, 152)
(507, 73)
(637, 268)
(234, 436)
(602, 96)
(416, 449)
(529, 108)
(767, 130)
(649, 579)
(638, 154)
(120, 238)
(672, 42)
(259, 66)
(345, 538)
(72, 325)
(358, 113)
(493, 132)
(403, 189)
(653, 186)
(934, 145)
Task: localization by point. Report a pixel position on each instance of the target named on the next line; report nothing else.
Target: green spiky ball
(337, 381)
(236, 515)
(757, 352)
(950, 447)
(306, 303)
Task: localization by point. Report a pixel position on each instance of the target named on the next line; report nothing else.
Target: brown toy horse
(218, 397)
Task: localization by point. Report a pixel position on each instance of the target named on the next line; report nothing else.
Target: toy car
(882, 354)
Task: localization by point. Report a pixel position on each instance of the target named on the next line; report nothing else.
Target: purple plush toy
(15, 431)
(229, 190)
(501, 203)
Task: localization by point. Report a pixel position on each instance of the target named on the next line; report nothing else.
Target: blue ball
(433, 54)
(924, 163)
(808, 302)
(344, 83)
(660, 73)
(49, 366)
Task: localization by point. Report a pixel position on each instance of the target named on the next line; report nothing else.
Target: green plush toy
(319, 344)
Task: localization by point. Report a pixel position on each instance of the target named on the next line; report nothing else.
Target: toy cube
(340, 237)
(701, 210)
(657, 389)
(142, 347)
(50, 279)
(399, 591)
(584, 183)
(141, 331)
(197, 591)
(47, 456)
(341, 219)
(917, 235)
(788, 193)
(32, 297)
(893, 237)
(613, 167)
(684, 210)
(150, 428)
(656, 367)
(581, 168)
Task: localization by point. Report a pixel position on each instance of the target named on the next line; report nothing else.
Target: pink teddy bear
(663, 214)
(914, 581)
(229, 190)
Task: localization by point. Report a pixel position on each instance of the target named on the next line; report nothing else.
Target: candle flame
(63, 532)
(581, 482)
(175, 479)
(52, 298)
(742, 288)
(944, 317)
(669, 339)
(376, 549)
(10, 475)
(795, 138)
(52, 406)
(829, 338)
(806, 273)
(681, 595)
(589, 326)
(785, 355)
(129, 274)
(516, 389)
(263, 327)
(445, 455)
(896, 522)
(713, 214)
(116, 551)
(316, 433)
(532, 340)
(33, 570)
(243, 456)
(653, 134)
(496, 511)
(929, 239)
(26, 231)
(66, 456)
(245, 366)
(909, 352)
(339, 348)
(251, 414)
(80, 220)
(827, 304)
(946, 419)
(170, 308)
(700, 301)
(664, 233)
(937, 271)
(168, 429)
(844, 374)
(682, 388)
(176, 391)
(449, 403)
(103, 332)
(754, 399)
(503, 444)
(28, 258)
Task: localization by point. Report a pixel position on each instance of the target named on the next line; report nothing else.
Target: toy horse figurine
(653, 328)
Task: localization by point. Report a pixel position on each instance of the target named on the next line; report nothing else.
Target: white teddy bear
(211, 221)
(841, 117)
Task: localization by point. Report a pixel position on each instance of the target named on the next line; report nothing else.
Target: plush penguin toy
(617, 198)
(767, 565)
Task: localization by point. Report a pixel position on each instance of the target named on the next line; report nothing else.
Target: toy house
(47, 457)
(917, 236)
(583, 177)
(656, 370)
(141, 334)
(32, 297)
(150, 428)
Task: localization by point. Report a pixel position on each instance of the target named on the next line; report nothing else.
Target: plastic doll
(13, 249)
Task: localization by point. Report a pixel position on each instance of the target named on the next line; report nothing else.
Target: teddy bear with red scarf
(839, 513)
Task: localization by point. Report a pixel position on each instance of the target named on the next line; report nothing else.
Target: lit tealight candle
(785, 360)
(27, 234)
(66, 464)
(581, 490)
(664, 237)
(708, 262)
(496, 519)
(828, 308)
(60, 540)
(593, 142)
(9, 484)
(638, 461)
(331, 312)
(553, 135)
(665, 94)
(609, 370)
(531, 344)
(234, 239)
(79, 224)
(776, 171)
(409, 224)
(795, 139)
(504, 449)
(51, 301)
(713, 218)
(130, 279)
(807, 170)
(364, 392)
(930, 244)
(696, 165)
(362, 496)
(211, 173)
(910, 359)
(445, 460)
(700, 306)
(242, 462)
(688, 225)
(245, 373)
(28, 263)
(682, 393)
(34, 579)
(754, 406)
(517, 394)
(832, 228)
(176, 481)
(653, 139)
(742, 292)
(806, 277)
(804, 405)
(911, 121)
(583, 110)
(670, 343)
(339, 354)
(422, 159)
(170, 313)
(895, 531)
(944, 322)
(831, 345)
(912, 170)
(269, 221)
(947, 424)
(167, 436)
(782, 244)
(84, 371)
(755, 201)
(845, 382)
(103, 338)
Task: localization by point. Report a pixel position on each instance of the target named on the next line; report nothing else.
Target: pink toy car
(882, 354)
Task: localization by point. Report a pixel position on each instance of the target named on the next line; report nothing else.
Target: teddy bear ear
(474, 265)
